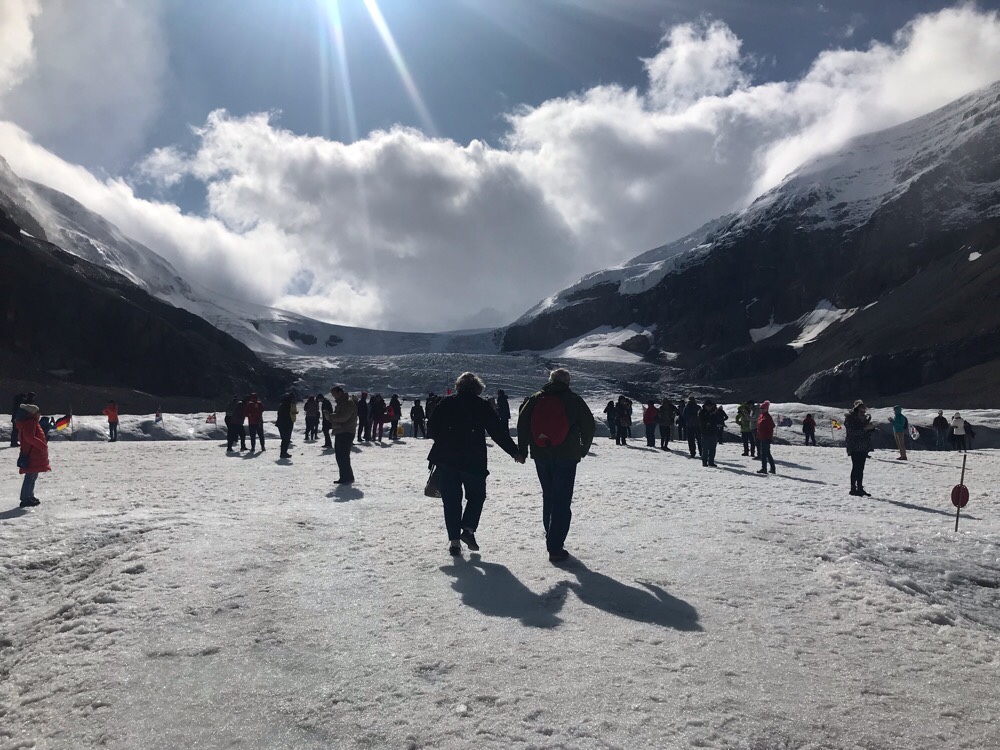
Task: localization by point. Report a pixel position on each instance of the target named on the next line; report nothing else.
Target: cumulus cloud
(402, 230)
(86, 76)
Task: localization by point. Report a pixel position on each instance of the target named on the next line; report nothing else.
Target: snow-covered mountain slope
(840, 192)
(908, 218)
(70, 225)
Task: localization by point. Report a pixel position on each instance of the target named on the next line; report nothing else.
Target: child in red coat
(34, 456)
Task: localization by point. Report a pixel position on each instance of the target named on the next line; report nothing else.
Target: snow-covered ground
(166, 595)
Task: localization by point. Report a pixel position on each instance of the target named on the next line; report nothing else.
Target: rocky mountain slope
(49, 214)
(65, 321)
(871, 272)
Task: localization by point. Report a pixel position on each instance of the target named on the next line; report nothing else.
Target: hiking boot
(762, 471)
(455, 549)
(773, 471)
(862, 492)
(854, 492)
(31, 502)
(558, 555)
(470, 540)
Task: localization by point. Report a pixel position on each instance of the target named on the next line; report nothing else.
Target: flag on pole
(63, 422)
(836, 425)
(210, 419)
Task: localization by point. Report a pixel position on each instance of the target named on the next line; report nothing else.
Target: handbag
(22, 461)
(431, 488)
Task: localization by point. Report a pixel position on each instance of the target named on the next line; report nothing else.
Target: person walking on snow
(558, 428)
(692, 426)
(326, 414)
(33, 458)
(254, 410)
(417, 417)
(503, 408)
(458, 427)
(285, 423)
(233, 420)
(376, 415)
(900, 424)
(364, 424)
(809, 429)
(747, 425)
(940, 425)
(393, 413)
(859, 427)
(958, 433)
(344, 423)
(111, 412)
(611, 416)
(712, 418)
(650, 416)
(665, 416)
(765, 434)
(623, 419)
(311, 410)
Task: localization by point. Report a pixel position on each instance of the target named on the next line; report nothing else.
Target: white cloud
(406, 231)
(89, 77)
(16, 40)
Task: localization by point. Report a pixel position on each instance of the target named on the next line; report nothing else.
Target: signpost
(960, 493)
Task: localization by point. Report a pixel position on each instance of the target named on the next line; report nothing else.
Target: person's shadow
(12, 513)
(649, 604)
(345, 492)
(496, 592)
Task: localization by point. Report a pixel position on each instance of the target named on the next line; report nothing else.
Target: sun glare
(335, 38)
(397, 59)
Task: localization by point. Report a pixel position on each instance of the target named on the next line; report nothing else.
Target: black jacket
(459, 425)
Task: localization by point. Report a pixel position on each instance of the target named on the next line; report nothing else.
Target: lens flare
(335, 38)
(397, 59)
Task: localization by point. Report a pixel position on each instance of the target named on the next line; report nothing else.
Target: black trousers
(749, 444)
(256, 431)
(13, 434)
(232, 435)
(312, 428)
(665, 435)
(326, 435)
(651, 435)
(418, 426)
(286, 437)
(810, 436)
(452, 482)
(557, 477)
(694, 442)
(342, 443)
(858, 469)
(113, 431)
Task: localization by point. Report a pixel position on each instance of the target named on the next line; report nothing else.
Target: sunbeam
(397, 59)
(335, 26)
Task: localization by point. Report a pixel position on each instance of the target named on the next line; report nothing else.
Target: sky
(449, 163)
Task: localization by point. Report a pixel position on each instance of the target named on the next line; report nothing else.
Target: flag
(836, 425)
(63, 422)
(158, 417)
(210, 419)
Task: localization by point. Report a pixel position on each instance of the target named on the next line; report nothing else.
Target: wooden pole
(961, 482)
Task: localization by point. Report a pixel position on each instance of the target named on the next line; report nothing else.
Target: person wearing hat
(940, 425)
(858, 423)
(34, 456)
(765, 434)
(343, 424)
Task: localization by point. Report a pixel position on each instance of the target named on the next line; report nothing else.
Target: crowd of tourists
(555, 428)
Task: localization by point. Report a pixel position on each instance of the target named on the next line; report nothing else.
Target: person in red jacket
(765, 434)
(254, 410)
(111, 412)
(649, 417)
(34, 456)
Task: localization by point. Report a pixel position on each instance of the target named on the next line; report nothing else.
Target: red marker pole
(960, 493)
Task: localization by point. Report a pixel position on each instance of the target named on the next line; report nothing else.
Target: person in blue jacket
(900, 424)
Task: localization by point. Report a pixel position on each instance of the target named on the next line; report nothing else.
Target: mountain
(871, 272)
(49, 214)
(68, 322)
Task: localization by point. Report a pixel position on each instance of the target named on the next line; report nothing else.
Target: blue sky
(451, 143)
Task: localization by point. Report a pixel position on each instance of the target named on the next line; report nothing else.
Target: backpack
(549, 424)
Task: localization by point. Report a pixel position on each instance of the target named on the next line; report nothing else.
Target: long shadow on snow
(12, 513)
(649, 604)
(922, 508)
(496, 592)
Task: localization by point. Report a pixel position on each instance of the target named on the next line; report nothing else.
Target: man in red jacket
(34, 456)
(254, 411)
(765, 434)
